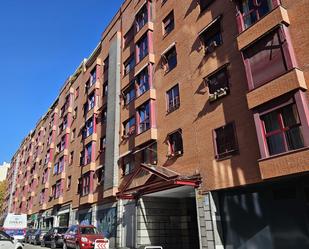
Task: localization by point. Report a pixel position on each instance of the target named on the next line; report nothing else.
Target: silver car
(7, 242)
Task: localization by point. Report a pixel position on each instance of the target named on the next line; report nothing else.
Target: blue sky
(41, 44)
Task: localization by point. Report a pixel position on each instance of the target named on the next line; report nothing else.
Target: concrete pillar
(209, 219)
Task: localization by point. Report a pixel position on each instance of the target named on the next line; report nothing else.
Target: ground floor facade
(268, 215)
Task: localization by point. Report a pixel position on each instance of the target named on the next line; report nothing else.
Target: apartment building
(187, 127)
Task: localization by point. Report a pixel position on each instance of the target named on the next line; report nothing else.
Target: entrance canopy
(148, 179)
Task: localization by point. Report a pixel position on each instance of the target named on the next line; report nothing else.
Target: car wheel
(35, 243)
(52, 244)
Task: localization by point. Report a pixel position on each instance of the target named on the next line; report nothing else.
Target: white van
(15, 225)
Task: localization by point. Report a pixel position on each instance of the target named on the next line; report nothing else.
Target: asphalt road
(28, 246)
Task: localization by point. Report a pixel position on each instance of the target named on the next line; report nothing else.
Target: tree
(3, 190)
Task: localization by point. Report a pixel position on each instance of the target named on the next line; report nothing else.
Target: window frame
(166, 65)
(170, 19)
(176, 103)
(174, 149)
(228, 153)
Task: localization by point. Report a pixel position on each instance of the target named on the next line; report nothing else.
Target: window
(45, 176)
(211, 37)
(149, 154)
(142, 82)
(204, 4)
(142, 48)
(129, 64)
(141, 17)
(62, 143)
(175, 143)
(104, 115)
(90, 103)
(282, 130)
(88, 153)
(129, 94)
(225, 141)
(106, 64)
(93, 76)
(73, 134)
(56, 168)
(105, 89)
(265, 58)
(85, 182)
(88, 129)
(65, 122)
(173, 100)
(47, 156)
(128, 165)
(128, 37)
(60, 129)
(218, 84)
(61, 165)
(253, 10)
(71, 158)
(144, 117)
(75, 113)
(170, 59)
(58, 189)
(100, 175)
(102, 143)
(129, 127)
(168, 23)
(76, 93)
(69, 182)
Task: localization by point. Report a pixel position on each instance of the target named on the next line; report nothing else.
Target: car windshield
(88, 230)
(61, 229)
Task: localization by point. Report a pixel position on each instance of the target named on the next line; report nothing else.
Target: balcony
(88, 167)
(148, 26)
(87, 199)
(94, 86)
(93, 137)
(267, 23)
(147, 135)
(288, 82)
(289, 163)
(150, 94)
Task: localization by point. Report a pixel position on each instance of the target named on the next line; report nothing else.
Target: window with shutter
(225, 141)
(265, 58)
(211, 36)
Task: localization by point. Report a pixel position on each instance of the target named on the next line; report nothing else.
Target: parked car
(37, 237)
(8, 242)
(81, 237)
(29, 233)
(54, 237)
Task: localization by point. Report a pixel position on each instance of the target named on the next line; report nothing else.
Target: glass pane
(271, 122)
(290, 115)
(264, 7)
(294, 138)
(275, 144)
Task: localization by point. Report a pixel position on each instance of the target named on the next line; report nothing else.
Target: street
(29, 246)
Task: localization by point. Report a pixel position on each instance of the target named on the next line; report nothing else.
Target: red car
(81, 237)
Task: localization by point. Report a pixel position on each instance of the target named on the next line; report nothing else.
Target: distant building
(3, 170)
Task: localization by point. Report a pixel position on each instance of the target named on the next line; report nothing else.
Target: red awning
(152, 178)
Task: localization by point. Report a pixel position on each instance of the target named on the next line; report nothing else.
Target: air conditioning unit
(211, 47)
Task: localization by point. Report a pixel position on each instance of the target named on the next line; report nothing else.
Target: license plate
(101, 244)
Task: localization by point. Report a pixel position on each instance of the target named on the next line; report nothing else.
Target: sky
(42, 42)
